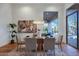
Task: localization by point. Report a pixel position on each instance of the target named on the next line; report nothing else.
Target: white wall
(34, 12)
(5, 19)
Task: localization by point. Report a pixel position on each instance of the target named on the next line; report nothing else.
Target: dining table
(40, 43)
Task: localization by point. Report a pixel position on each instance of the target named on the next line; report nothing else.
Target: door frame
(67, 28)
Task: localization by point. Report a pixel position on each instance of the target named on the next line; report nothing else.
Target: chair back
(60, 39)
(30, 44)
(49, 44)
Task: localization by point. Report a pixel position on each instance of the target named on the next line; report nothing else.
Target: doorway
(72, 26)
(72, 29)
(51, 18)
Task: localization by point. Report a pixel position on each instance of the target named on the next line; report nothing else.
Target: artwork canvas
(27, 26)
(49, 15)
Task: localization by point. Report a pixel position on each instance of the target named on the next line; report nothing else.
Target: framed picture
(49, 15)
(27, 26)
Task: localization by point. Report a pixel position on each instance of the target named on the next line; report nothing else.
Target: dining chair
(59, 41)
(19, 43)
(49, 45)
(30, 44)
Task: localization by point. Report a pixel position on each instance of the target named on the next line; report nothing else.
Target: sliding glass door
(72, 29)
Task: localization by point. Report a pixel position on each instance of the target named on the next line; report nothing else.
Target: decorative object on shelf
(13, 31)
(27, 26)
(27, 36)
(34, 34)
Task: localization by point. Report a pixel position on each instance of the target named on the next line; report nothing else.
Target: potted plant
(13, 31)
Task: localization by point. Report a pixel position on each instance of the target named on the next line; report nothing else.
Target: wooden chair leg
(20, 47)
(54, 50)
(17, 48)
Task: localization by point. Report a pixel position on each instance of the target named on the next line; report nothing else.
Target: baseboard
(5, 43)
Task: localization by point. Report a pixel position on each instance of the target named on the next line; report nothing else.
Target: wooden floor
(7, 48)
(66, 48)
(70, 50)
